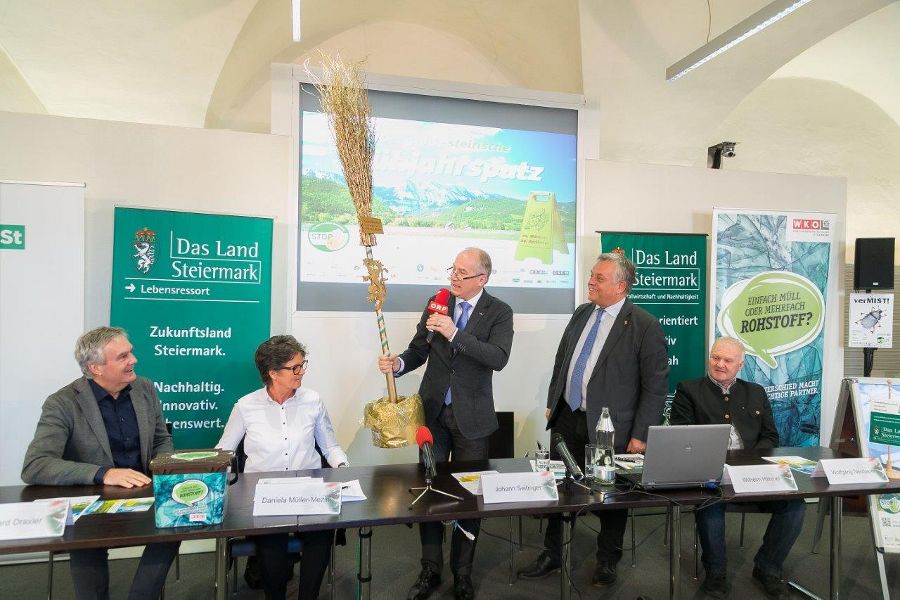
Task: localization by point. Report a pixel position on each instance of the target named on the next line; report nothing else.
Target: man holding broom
(465, 347)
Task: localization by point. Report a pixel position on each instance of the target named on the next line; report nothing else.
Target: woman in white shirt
(281, 424)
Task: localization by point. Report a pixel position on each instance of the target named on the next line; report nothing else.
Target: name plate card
(851, 470)
(519, 487)
(304, 497)
(25, 520)
(750, 479)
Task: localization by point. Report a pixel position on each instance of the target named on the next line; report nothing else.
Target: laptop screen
(684, 455)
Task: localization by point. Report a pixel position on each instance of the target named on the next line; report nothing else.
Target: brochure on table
(471, 480)
(797, 463)
(78, 505)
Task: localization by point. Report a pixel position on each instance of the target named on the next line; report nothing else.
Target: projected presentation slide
(439, 187)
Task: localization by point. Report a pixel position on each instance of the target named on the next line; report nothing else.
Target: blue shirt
(121, 429)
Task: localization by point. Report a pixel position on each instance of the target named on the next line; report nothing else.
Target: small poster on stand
(871, 321)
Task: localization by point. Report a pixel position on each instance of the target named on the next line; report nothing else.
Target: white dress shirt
(282, 437)
(608, 318)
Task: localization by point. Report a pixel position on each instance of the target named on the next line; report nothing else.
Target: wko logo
(812, 224)
(12, 237)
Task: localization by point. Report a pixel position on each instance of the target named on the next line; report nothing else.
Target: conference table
(388, 499)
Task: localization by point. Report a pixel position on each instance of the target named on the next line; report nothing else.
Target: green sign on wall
(194, 293)
(12, 237)
(671, 285)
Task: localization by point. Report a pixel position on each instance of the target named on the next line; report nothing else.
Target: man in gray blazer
(612, 354)
(103, 429)
(469, 343)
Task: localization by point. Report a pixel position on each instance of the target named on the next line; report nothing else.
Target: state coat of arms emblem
(145, 249)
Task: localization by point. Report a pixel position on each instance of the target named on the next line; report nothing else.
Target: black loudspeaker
(873, 267)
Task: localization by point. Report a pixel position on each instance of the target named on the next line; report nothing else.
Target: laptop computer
(680, 456)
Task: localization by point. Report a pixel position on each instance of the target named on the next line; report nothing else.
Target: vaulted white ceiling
(198, 63)
(152, 61)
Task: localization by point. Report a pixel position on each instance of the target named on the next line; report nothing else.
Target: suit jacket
(746, 406)
(466, 365)
(70, 443)
(630, 377)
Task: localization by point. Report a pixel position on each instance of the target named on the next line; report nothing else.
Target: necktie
(464, 308)
(581, 364)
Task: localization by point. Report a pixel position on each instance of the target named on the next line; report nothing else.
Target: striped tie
(581, 364)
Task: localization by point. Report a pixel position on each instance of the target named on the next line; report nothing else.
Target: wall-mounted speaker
(873, 267)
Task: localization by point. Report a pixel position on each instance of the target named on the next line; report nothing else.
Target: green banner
(671, 285)
(194, 293)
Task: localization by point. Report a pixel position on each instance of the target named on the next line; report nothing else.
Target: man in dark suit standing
(612, 354)
(103, 429)
(721, 397)
(469, 343)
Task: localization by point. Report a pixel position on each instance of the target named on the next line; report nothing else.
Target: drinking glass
(542, 460)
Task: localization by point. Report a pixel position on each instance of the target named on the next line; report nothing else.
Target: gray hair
(89, 347)
(273, 353)
(728, 340)
(484, 259)
(625, 269)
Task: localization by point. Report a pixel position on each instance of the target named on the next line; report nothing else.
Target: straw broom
(346, 104)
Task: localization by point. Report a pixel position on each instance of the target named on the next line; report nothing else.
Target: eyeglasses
(296, 369)
(454, 273)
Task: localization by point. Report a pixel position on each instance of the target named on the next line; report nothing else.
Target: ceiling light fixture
(295, 20)
(751, 25)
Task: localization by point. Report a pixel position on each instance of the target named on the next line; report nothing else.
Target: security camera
(715, 153)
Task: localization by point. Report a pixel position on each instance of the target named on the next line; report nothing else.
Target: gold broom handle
(392, 387)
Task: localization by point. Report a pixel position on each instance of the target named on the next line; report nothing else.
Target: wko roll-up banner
(670, 285)
(194, 293)
(770, 279)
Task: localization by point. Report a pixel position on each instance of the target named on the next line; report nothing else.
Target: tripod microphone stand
(568, 480)
(429, 475)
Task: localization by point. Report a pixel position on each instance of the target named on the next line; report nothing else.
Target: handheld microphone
(438, 306)
(559, 444)
(425, 441)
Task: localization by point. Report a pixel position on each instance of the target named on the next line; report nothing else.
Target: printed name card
(754, 479)
(24, 520)
(304, 497)
(519, 487)
(851, 470)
